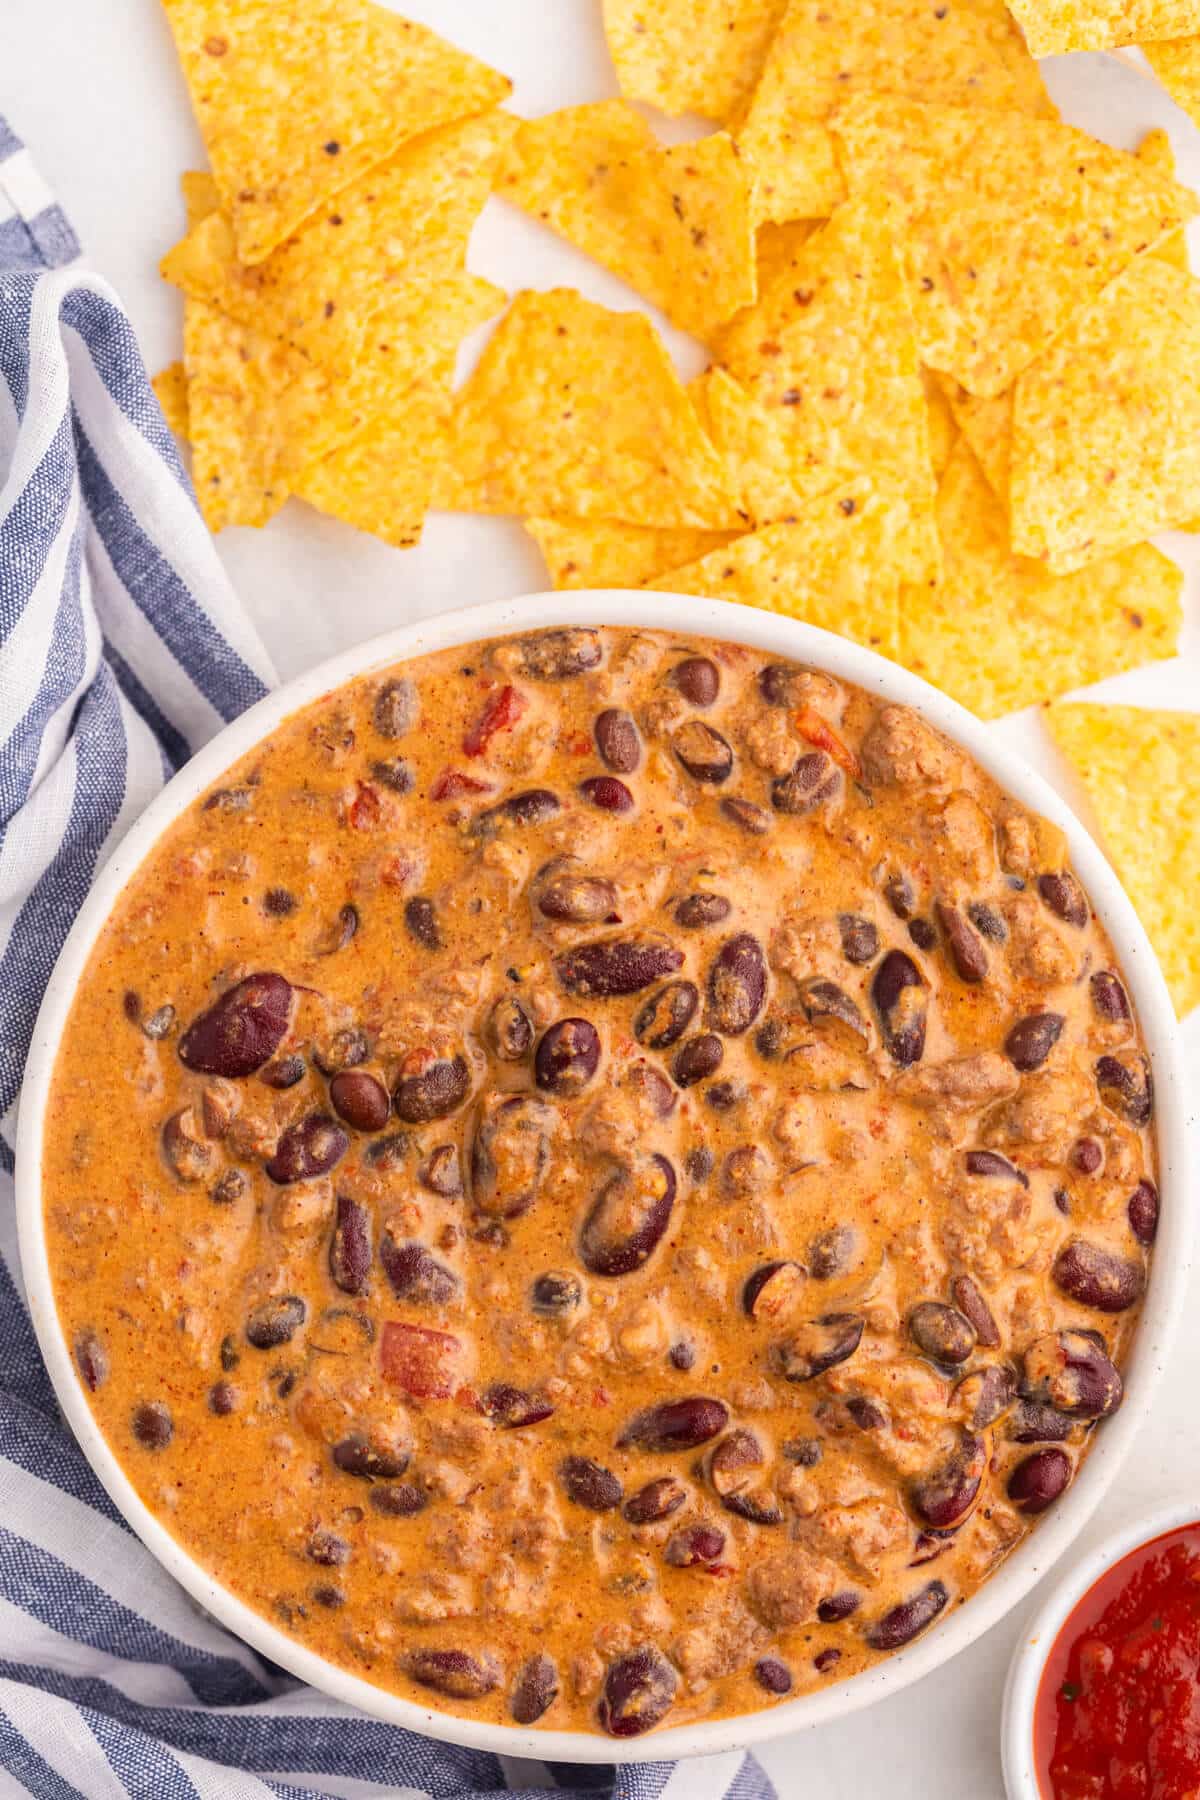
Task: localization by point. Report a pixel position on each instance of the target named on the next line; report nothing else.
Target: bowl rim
(1040, 1634)
(768, 633)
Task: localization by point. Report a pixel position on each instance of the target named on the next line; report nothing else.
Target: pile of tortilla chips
(953, 381)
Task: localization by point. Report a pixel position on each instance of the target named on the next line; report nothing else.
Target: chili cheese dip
(601, 1180)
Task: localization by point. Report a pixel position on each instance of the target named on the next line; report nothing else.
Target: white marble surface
(93, 88)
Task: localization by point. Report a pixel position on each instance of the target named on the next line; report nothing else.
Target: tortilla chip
(673, 222)
(701, 56)
(1156, 152)
(943, 427)
(835, 565)
(200, 196)
(388, 241)
(296, 101)
(576, 411)
(1007, 230)
(1141, 769)
(829, 356)
(603, 553)
(1051, 26)
(171, 388)
(1001, 633)
(987, 427)
(954, 52)
(1106, 424)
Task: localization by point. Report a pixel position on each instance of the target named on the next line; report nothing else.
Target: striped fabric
(122, 648)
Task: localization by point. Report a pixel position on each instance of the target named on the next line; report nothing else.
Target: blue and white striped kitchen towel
(122, 648)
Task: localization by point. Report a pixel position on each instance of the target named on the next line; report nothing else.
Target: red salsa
(1118, 1713)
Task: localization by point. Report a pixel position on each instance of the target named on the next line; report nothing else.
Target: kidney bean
(736, 1454)
(838, 1606)
(371, 1457)
(554, 1295)
(559, 654)
(1033, 1424)
(512, 1407)
(1032, 1039)
(222, 1399)
(898, 994)
(697, 679)
(275, 1322)
(704, 753)
(682, 1355)
(693, 1544)
(535, 1689)
(1097, 1277)
(188, 1157)
(638, 1692)
(628, 1217)
(860, 938)
(737, 985)
(985, 1395)
(814, 779)
(440, 1173)
(832, 1251)
(991, 1164)
(967, 953)
(615, 966)
(751, 818)
(399, 1499)
(1126, 1088)
(573, 898)
(421, 921)
(388, 1154)
(773, 1676)
(987, 920)
(1109, 1000)
(360, 1100)
(435, 1094)
(1064, 897)
(152, 1425)
(803, 1450)
(922, 934)
(350, 1247)
(909, 1619)
(900, 895)
(396, 708)
(1087, 1155)
(675, 1424)
(589, 1484)
(865, 1414)
(567, 1057)
(421, 1362)
(509, 1030)
(343, 1050)
(608, 793)
(662, 1020)
(242, 1030)
(532, 807)
(941, 1332)
(659, 1499)
(340, 933)
(415, 1273)
(818, 1345)
(395, 774)
(827, 1659)
(284, 1072)
(455, 1673)
(698, 910)
(773, 1290)
(307, 1149)
(618, 741)
(974, 1307)
(1073, 1373)
(824, 1000)
(328, 1550)
(1037, 1482)
(698, 1058)
(1143, 1212)
(510, 1152)
(945, 1496)
(699, 1163)
(92, 1360)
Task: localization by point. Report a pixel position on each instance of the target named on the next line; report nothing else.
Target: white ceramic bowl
(776, 636)
(1038, 1639)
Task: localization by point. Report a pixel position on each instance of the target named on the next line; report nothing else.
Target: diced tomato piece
(422, 1362)
(501, 711)
(452, 783)
(365, 810)
(814, 730)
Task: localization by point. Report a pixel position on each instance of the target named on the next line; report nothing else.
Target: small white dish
(772, 635)
(1037, 1641)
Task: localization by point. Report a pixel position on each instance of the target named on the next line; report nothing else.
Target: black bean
(638, 1691)
(1064, 897)
(704, 753)
(773, 1676)
(510, 1151)
(675, 1424)
(1087, 1155)
(922, 934)
(900, 895)
(415, 1274)
(92, 1360)
(328, 1550)
(231, 1356)
(242, 1030)
(838, 1606)
(898, 994)
(554, 1295)
(614, 966)
(399, 1499)
(1143, 1212)
(509, 1030)
(967, 953)
(1097, 1277)
(975, 1308)
(737, 985)
(388, 1154)
(350, 1246)
(533, 807)
(805, 1451)
(628, 1217)
(988, 920)
(814, 779)
(617, 741)
(658, 1499)
(513, 1407)
(1126, 1088)
(370, 1458)
(698, 910)
(360, 1100)
(396, 708)
(1038, 1481)
(860, 938)
(994, 1167)
(152, 1424)
(398, 776)
(558, 655)
(865, 1414)
(818, 1345)
(535, 1689)
(421, 921)
(435, 1094)
(662, 1020)
(454, 1673)
(682, 1355)
(909, 1619)
(698, 1058)
(699, 1163)
(589, 1484)
(1032, 1039)
(307, 1149)
(697, 679)
(751, 818)
(275, 1322)
(222, 1398)
(1034, 1424)
(284, 1072)
(568, 1056)
(1109, 1000)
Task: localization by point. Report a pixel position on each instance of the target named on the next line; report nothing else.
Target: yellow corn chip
(200, 196)
(954, 52)
(295, 99)
(1106, 424)
(1051, 26)
(577, 411)
(701, 56)
(778, 246)
(1141, 769)
(387, 241)
(673, 222)
(943, 427)
(1156, 153)
(1001, 633)
(987, 427)
(170, 387)
(603, 553)
(835, 565)
(829, 356)
(1007, 229)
